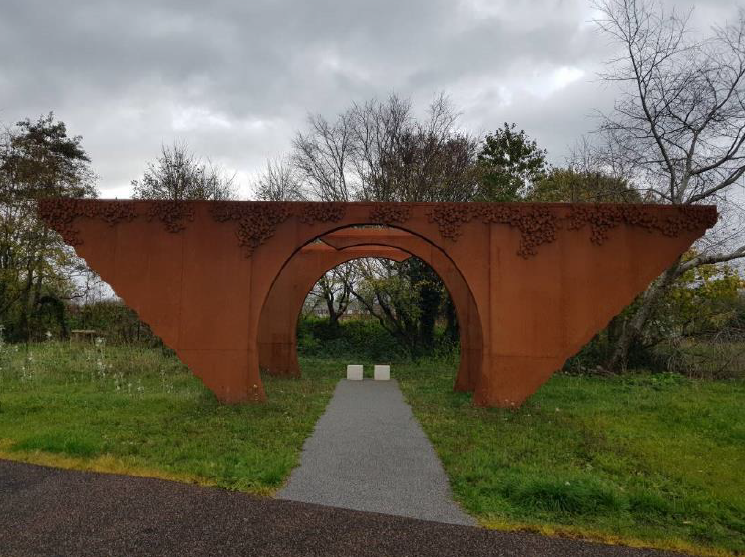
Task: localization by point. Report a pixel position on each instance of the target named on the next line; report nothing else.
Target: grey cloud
(239, 77)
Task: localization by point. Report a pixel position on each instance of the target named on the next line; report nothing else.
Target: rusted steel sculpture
(544, 277)
(277, 325)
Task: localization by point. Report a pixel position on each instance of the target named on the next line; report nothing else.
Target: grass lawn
(137, 411)
(647, 459)
(643, 459)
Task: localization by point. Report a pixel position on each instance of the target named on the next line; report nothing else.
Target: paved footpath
(46, 511)
(369, 453)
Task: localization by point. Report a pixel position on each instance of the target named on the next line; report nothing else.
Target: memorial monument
(538, 280)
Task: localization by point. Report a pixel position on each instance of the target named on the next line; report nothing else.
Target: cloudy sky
(236, 79)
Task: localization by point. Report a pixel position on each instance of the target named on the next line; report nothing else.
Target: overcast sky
(236, 79)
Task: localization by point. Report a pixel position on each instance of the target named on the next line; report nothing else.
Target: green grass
(643, 459)
(655, 459)
(138, 411)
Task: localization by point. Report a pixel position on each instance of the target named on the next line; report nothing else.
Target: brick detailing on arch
(538, 223)
(173, 214)
(311, 213)
(60, 214)
(257, 222)
(602, 218)
(390, 213)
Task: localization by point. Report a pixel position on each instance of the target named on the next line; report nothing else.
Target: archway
(278, 324)
(198, 272)
(277, 327)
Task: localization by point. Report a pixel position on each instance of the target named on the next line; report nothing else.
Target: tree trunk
(35, 296)
(328, 296)
(614, 329)
(632, 327)
(333, 316)
(426, 282)
(451, 328)
(430, 299)
(25, 298)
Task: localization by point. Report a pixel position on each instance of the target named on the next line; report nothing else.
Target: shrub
(359, 338)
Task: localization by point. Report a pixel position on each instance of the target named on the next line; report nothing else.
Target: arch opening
(277, 341)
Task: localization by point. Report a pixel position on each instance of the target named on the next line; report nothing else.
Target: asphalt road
(46, 511)
(369, 453)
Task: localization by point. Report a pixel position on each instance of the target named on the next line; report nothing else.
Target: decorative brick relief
(390, 213)
(173, 214)
(538, 223)
(602, 218)
(257, 222)
(60, 214)
(311, 213)
(450, 218)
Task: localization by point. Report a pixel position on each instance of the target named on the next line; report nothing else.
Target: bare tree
(178, 174)
(379, 151)
(335, 290)
(399, 296)
(386, 294)
(680, 124)
(311, 305)
(321, 157)
(279, 182)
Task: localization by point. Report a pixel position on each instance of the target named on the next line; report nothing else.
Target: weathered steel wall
(277, 325)
(544, 277)
(278, 322)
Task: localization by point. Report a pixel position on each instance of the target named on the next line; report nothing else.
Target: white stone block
(354, 372)
(382, 373)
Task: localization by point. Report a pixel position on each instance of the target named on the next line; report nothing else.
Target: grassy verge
(138, 411)
(642, 459)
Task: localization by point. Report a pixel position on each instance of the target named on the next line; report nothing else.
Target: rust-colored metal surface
(544, 277)
(281, 357)
(278, 322)
(471, 344)
(277, 326)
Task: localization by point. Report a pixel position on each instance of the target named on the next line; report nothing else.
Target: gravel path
(369, 453)
(46, 511)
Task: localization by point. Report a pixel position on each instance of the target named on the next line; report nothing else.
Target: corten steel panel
(224, 326)
(277, 343)
(469, 368)
(278, 324)
(544, 277)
